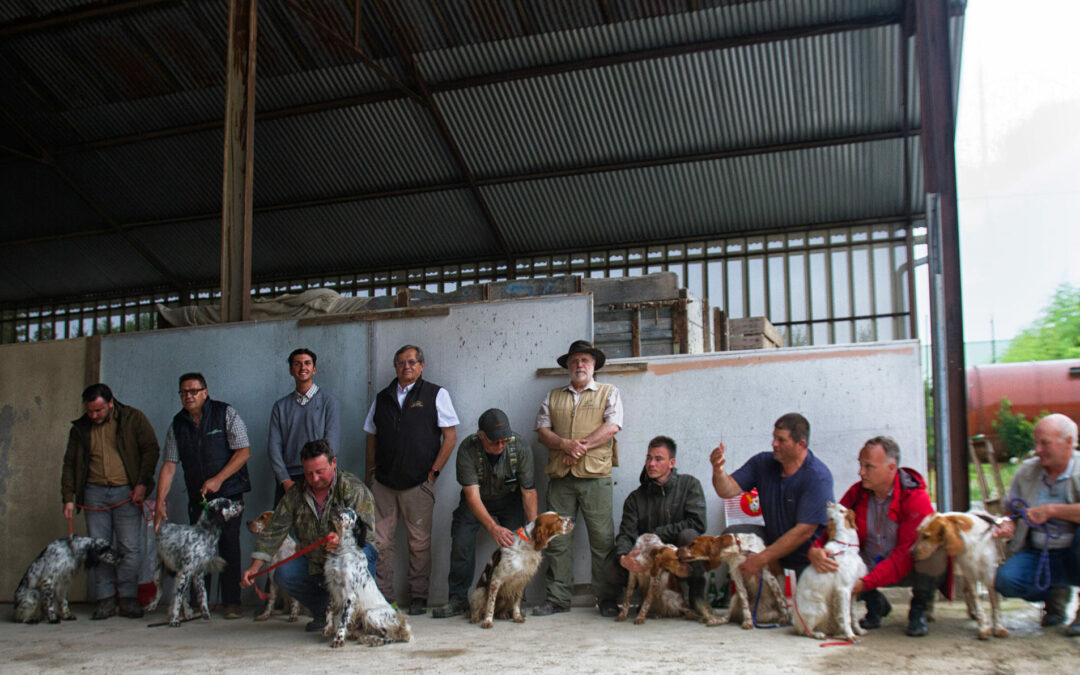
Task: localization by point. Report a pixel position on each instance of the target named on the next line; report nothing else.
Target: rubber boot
(922, 601)
(877, 608)
(1054, 607)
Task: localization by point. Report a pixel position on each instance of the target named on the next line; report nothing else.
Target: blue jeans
(310, 589)
(507, 511)
(1016, 577)
(106, 581)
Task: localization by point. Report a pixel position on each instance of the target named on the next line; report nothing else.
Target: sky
(1018, 162)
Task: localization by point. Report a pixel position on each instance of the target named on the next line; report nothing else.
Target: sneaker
(549, 608)
(418, 607)
(315, 626)
(130, 608)
(233, 611)
(608, 608)
(452, 608)
(104, 610)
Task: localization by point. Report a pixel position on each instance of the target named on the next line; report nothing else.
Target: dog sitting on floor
(501, 585)
(824, 602)
(189, 552)
(357, 608)
(287, 548)
(658, 569)
(44, 588)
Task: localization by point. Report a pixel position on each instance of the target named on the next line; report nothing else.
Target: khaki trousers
(415, 505)
(593, 497)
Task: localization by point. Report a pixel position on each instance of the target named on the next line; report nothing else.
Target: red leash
(795, 604)
(294, 556)
(147, 509)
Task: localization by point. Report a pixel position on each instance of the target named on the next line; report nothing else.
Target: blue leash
(1051, 529)
(760, 583)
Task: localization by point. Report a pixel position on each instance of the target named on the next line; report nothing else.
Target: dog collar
(521, 533)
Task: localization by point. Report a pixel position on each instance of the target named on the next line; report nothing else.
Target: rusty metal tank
(1031, 386)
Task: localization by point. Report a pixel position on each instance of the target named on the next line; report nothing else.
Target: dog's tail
(217, 565)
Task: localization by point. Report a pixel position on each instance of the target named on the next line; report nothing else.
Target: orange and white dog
(966, 538)
(824, 602)
(733, 549)
(660, 570)
(500, 587)
(287, 548)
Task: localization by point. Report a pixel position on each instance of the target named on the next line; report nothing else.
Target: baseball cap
(495, 424)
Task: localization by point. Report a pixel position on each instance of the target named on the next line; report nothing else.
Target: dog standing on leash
(732, 549)
(43, 589)
(287, 548)
(660, 565)
(190, 552)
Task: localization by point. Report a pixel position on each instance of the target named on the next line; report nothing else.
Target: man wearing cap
(492, 467)
(578, 423)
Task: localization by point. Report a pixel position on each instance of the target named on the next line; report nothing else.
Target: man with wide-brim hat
(577, 423)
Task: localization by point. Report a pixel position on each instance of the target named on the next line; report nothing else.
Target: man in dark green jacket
(109, 466)
(668, 504)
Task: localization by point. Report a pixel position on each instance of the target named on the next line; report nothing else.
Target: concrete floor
(580, 641)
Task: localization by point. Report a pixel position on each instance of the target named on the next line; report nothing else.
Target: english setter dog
(660, 567)
(287, 548)
(823, 602)
(357, 608)
(189, 552)
(966, 537)
(501, 585)
(43, 589)
(732, 549)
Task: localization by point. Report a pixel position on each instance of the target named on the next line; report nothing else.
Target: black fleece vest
(204, 451)
(407, 437)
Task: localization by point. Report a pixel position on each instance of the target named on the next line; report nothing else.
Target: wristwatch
(435, 472)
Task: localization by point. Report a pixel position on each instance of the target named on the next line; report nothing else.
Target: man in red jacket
(889, 503)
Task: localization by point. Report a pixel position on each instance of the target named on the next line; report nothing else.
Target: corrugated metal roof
(584, 123)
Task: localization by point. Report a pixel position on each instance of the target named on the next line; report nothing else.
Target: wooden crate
(649, 328)
(754, 332)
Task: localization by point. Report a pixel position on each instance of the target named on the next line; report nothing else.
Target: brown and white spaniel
(500, 587)
(660, 570)
(733, 549)
(966, 537)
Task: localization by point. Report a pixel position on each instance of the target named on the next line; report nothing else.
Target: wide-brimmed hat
(583, 347)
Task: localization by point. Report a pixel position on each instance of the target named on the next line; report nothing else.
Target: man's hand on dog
(821, 560)
(332, 543)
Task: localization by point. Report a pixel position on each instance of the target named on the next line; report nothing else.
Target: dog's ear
(849, 518)
(541, 534)
(831, 530)
(360, 532)
(951, 527)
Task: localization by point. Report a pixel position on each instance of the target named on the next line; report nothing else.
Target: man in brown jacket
(111, 456)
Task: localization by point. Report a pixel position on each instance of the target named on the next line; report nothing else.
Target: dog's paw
(520, 618)
(621, 617)
(639, 620)
(715, 621)
(747, 624)
(487, 623)
(293, 618)
(983, 634)
(206, 616)
(338, 641)
(1001, 632)
(262, 617)
(175, 623)
(70, 617)
(54, 619)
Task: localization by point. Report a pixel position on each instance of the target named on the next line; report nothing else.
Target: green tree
(1055, 334)
(1016, 431)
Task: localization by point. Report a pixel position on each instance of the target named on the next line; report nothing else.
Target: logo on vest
(416, 404)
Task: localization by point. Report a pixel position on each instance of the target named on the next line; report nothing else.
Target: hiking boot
(418, 607)
(233, 611)
(922, 602)
(877, 608)
(315, 625)
(131, 608)
(1054, 607)
(549, 608)
(609, 609)
(104, 610)
(453, 608)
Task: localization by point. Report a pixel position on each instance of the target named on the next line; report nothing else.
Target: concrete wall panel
(39, 396)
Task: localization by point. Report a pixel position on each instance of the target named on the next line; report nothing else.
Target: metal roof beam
(482, 80)
(62, 18)
(516, 178)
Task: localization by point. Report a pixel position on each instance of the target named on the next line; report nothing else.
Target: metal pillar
(939, 163)
(239, 163)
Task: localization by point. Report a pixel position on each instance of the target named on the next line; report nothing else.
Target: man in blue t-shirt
(793, 486)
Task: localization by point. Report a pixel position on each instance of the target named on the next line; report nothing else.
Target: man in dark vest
(412, 430)
(211, 442)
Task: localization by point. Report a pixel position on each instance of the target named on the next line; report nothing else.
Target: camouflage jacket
(296, 513)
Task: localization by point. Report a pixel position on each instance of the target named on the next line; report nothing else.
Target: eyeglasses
(402, 364)
(184, 393)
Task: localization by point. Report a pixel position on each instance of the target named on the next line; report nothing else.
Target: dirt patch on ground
(581, 641)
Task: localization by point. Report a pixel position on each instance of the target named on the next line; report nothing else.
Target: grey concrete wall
(39, 396)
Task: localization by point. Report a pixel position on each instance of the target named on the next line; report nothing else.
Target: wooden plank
(609, 369)
(635, 334)
(524, 288)
(737, 342)
(721, 332)
(375, 315)
(756, 325)
(92, 372)
(979, 471)
(680, 331)
(706, 325)
(651, 287)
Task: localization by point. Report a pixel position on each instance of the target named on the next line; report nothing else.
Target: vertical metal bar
(938, 356)
(239, 163)
(851, 282)
(830, 306)
(873, 280)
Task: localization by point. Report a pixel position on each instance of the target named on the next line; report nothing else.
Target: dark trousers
(618, 576)
(507, 511)
(229, 549)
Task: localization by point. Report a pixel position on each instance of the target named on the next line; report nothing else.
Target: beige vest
(577, 422)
